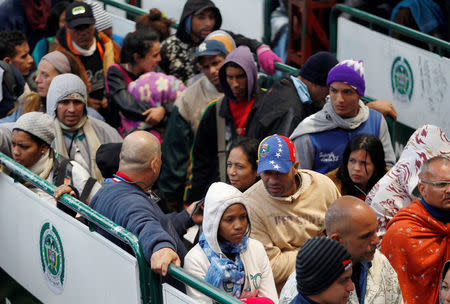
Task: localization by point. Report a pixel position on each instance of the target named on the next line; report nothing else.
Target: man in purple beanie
(321, 138)
(292, 99)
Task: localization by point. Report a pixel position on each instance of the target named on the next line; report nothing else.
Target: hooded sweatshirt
(258, 273)
(178, 51)
(190, 8)
(244, 58)
(204, 165)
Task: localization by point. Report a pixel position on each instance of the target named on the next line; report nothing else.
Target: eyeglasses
(438, 184)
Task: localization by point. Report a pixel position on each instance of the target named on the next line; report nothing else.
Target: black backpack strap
(87, 189)
(63, 169)
(60, 170)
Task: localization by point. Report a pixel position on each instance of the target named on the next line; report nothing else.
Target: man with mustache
(94, 50)
(354, 224)
(287, 206)
(198, 19)
(417, 238)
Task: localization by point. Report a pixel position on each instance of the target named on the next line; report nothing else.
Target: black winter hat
(108, 158)
(320, 262)
(317, 66)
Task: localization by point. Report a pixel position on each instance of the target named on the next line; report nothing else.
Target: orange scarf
(417, 246)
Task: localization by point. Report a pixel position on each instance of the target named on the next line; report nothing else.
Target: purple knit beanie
(350, 72)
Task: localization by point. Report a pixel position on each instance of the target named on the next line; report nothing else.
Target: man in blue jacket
(321, 138)
(128, 201)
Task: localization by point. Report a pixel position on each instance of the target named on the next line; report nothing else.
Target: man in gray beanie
(78, 136)
(324, 270)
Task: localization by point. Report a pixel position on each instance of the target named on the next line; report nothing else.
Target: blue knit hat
(350, 72)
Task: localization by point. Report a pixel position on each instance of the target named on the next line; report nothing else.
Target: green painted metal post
(267, 25)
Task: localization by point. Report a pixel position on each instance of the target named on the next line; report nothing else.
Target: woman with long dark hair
(362, 166)
(242, 163)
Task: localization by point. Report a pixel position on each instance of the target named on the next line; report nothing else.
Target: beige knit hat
(38, 124)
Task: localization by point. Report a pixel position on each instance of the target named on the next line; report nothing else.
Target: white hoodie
(258, 273)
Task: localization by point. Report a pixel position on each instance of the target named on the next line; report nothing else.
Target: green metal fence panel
(441, 45)
(147, 292)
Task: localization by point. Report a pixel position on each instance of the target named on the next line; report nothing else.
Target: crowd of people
(294, 189)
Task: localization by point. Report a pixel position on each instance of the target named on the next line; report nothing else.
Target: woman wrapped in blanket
(225, 256)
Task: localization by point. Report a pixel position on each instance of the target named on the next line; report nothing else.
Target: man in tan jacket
(287, 206)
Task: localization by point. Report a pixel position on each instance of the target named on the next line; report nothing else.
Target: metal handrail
(202, 286)
(94, 217)
(124, 6)
(338, 8)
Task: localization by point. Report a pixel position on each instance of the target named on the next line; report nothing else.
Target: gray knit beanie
(38, 124)
(62, 86)
(320, 262)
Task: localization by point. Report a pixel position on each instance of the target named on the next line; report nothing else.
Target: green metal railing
(441, 45)
(149, 281)
(125, 6)
(202, 286)
(148, 291)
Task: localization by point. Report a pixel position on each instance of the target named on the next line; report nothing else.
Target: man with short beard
(78, 136)
(354, 224)
(198, 19)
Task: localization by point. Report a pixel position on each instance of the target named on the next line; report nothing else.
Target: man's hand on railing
(161, 259)
(385, 107)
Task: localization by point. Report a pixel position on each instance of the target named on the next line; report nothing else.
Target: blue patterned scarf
(223, 272)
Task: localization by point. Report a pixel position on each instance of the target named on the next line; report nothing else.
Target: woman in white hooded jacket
(225, 256)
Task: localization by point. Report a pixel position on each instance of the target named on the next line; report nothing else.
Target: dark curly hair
(250, 148)
(155, 20)
(373, 146)
(8, 42)
(139, 42)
